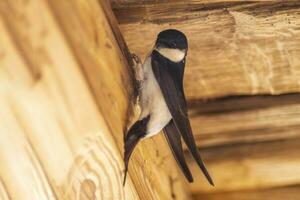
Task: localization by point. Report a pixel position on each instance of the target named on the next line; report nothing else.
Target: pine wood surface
(242, 85)
(66, 100)
(235, 47)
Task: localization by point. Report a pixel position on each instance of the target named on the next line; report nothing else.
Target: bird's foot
(136, 59)
(138, 70)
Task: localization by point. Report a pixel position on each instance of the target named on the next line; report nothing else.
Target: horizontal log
(235, 47)
(288, 193)
(245, 119)
(249, 167)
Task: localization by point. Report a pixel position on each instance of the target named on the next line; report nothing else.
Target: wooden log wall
(235, 47)
(242, 83)
(66, 93)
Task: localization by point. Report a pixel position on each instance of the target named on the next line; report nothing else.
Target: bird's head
(172, 44)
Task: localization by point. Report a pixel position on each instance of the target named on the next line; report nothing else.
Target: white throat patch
(175, 55)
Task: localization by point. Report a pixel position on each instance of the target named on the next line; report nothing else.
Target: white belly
(152, 102)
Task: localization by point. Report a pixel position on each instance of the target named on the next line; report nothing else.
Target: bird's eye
(173, 44)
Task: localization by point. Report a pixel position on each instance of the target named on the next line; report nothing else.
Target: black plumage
(169, 76)
(174, 139)
(135, 133)
(163, 102)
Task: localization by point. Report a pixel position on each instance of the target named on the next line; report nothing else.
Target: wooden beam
(235, 47)
(249, 167)
(55, 144)
(66, 93)
(153, 181)
(149, 3)
(245, 119)
(288, 193)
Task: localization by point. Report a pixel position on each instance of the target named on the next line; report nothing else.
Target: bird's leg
(138, 70)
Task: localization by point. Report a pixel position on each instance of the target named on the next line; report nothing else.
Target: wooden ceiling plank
(249, 166)
(245, 119)
(235, 48)
(278, 193)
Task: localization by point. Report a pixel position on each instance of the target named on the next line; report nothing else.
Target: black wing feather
(135, 133)
(173, 137)
(169, 76)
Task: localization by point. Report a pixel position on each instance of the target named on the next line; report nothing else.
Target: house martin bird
(162, 101)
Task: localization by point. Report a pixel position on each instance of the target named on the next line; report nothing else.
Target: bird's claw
(136, 59)
(138, 70)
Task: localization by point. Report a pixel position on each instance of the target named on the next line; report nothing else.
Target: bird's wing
(169, 76)
(173, 137)
(135, 133)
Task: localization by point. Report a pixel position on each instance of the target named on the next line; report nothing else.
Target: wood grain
(53, 139)
(245, 119)
(252, 166)
(44, 132)
(65, 97)
(115, 83)
(235, 47)
(287, 193)
(243, 58)
(203, 2)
